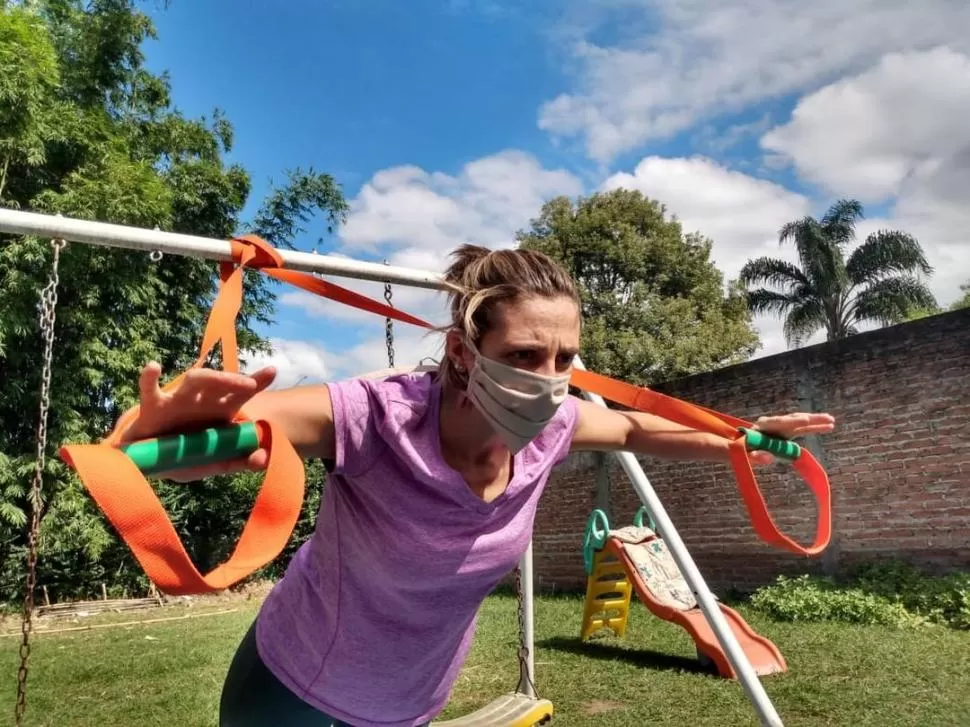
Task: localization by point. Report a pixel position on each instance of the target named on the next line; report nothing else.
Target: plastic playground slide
(636, 559)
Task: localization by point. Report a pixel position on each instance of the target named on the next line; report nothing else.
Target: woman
(433, 486)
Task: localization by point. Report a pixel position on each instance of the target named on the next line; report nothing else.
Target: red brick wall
(898, 463)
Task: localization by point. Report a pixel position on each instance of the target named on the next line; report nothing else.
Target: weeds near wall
(891, 594)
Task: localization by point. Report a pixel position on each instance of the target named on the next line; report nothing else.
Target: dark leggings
(253, 697)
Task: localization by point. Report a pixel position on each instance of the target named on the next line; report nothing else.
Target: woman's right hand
(204, 398)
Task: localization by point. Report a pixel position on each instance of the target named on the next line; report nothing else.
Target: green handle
(783, 448)
(597, 530)
(638, 519)
(182, 451)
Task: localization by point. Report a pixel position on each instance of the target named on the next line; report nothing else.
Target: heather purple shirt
(374, 617)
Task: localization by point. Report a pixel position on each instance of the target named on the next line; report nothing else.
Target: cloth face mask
(517, 404)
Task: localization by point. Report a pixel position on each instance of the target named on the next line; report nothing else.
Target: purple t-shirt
(374, 617)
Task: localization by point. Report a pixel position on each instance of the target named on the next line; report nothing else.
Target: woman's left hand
(790, 426)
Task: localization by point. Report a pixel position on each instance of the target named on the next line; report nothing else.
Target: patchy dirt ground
(599, 706)
(89, 612)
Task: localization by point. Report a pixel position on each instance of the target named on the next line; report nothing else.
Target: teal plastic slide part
(597, 529)
(181, 451)
(638, 519)
(783, 448)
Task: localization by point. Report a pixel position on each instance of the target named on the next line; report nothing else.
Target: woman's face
(540, 335)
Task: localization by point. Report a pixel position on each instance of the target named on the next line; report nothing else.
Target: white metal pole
(705, 599)
(527, 623)
(135, 238)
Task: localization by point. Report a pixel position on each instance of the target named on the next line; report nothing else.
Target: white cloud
(424, 214)
(400, 206)
(684, 61)
(411, 346)
(895, 132)
(299, 362)
(411, 343)
(716, 140)
(295, 362)
(866, 135)
(740, 213)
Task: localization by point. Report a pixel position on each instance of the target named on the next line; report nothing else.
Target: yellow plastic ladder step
(607, 590)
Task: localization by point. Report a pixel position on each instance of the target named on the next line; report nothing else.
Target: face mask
(517, 404)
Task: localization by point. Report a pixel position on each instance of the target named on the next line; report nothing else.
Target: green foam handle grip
(782, 448)
(182, 451)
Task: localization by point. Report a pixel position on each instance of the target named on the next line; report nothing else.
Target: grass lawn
(171, 673)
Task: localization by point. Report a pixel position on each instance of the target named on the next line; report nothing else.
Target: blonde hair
(478, 278)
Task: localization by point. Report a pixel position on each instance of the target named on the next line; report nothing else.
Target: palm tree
(877, 283)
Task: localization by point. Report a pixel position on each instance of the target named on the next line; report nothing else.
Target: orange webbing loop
(707, 420)
(133, 508)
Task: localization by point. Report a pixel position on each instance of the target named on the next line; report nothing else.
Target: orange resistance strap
(131, 505)
(707, 420)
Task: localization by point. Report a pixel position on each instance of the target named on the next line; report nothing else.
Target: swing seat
(509, 710)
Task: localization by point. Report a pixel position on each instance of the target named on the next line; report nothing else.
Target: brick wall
(898, 463)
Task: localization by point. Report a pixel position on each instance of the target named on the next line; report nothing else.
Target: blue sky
(353, 88)
(453, 120)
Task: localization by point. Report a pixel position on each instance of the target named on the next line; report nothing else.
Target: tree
(958, 304)
(654, 305)
(30, 73)
(878, 283)
(919, 313)
(963, 302)
(86, 131)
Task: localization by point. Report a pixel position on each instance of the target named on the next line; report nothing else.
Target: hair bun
(464, 258)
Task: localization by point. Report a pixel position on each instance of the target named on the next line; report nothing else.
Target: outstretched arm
(305, 413)
(608, 430)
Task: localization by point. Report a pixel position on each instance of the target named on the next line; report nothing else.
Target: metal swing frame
(60, 229)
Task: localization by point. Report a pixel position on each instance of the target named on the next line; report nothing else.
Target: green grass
(171, 673)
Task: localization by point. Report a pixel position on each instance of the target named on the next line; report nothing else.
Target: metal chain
(48, 308)
(389, 326)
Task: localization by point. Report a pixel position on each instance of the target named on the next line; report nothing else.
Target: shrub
(890, 594)
(810, 598)
(942, 599)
